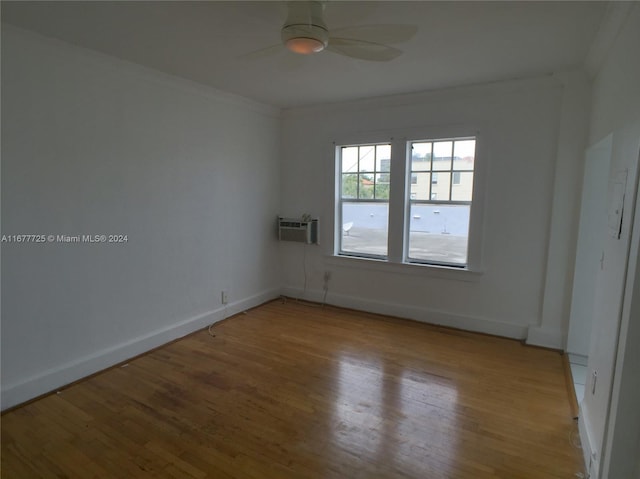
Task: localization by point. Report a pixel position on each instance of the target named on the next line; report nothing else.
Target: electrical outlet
(224, 297)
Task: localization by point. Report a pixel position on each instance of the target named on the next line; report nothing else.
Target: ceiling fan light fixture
(304, 46)
(304, 31)
(305, 39)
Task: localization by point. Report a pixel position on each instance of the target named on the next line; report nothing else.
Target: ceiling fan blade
(362, 50)
(291, 62)
(278, 57)
(262, 52)
(386, 34)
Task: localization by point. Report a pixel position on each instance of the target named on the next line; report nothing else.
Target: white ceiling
(457, 43)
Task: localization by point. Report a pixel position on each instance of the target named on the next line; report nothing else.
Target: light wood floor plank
(294, 391)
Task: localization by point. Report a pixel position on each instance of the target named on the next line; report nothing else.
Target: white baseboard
(548, 338)
(425, 315)
(57, 377)
(578, 359)
(590, 458)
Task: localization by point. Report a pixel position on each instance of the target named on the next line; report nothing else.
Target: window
(364, 199)
(438, 228)
(430, 213)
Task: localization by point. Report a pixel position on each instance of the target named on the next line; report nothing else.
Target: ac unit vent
(298, 230)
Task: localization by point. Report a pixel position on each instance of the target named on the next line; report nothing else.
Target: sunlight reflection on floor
(376, 415)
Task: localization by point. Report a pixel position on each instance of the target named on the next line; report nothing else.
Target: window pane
(350, 159)
(439, 233)
(383, 158)
(463, 190)
(382, 186)
(442, 155)
(367, 158)
(464, 152)
(420, 189)
(442, 185)
(366, 187)
(350, 185)
(364, 228)
(421, 156)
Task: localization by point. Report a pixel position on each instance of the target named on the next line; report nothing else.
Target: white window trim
(340, 201)
(399, 204)
(415, 269)
(406, 233)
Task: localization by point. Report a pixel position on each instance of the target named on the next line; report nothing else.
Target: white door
(610, 289)
(593, 221)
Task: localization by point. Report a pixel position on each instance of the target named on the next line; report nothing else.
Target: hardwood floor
(294, 391)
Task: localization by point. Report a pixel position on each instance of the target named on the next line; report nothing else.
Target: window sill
(415, 269)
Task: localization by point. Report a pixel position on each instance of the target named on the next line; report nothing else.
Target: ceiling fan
(305, 32)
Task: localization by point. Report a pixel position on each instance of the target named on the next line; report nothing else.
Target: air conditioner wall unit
(300, 230)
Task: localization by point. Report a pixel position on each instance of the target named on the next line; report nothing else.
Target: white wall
(519, 123)
(572, 139)
(616, 89)
(609, 425)
(92, 145)
(623, 435)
